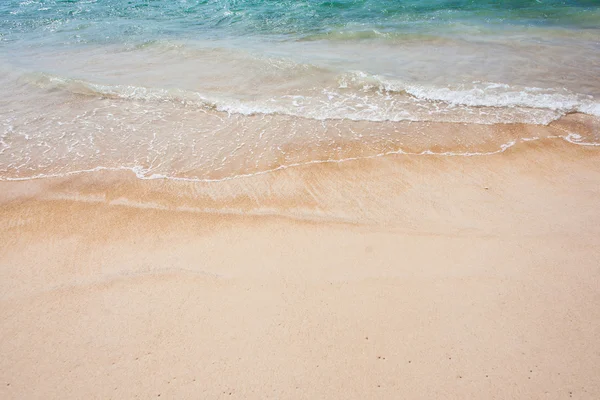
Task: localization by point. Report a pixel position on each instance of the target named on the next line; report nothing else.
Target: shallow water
(215, 89)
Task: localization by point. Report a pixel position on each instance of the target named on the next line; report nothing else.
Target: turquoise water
(213, 88)
(141, 20)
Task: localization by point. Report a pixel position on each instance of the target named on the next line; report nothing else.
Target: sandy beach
(398, 277)
(299, 199)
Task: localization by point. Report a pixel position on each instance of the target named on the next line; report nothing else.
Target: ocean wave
(480, 94)
(126, 92)
(361, 97)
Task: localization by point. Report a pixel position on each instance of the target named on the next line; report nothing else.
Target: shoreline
(400, 276)
(310, 142)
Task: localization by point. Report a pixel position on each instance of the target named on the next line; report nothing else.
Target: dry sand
(400, 277)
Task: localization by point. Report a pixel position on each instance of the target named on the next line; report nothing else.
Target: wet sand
(393, 277)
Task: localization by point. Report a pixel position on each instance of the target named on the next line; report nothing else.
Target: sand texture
(398, 277)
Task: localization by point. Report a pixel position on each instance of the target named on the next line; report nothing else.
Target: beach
(299, 199)
(392, 277)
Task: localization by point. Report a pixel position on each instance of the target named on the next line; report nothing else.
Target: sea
(217, 89)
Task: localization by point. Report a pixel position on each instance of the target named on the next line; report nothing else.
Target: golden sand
(399, 277)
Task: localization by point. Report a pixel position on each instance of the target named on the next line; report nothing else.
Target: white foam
(576, 138)
(501, 95)
(363, 97)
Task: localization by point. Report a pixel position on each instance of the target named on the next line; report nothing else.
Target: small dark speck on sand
(409, 361)
(366, 337)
